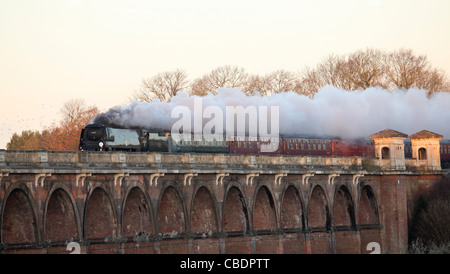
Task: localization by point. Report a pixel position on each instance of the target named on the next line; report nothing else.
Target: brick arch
(137, 214)
(368, 218)
(292, 215)
(235, 212)
(61, 219)
(318, 209)
(99, 217)
(204, 222)
(265, 221)
(319, 221)
(264, 211)
(19, 222)
(343, 208)
(236, 222)
(171, 217)
(292, 221)
(344, 222)
(367, 207)
(171, 224)
(203, 212)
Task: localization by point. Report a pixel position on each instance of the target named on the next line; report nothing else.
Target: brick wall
(206, 217)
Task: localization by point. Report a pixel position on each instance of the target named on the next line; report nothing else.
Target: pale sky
(52, 51)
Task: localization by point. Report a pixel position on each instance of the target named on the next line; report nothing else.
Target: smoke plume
(333, 111)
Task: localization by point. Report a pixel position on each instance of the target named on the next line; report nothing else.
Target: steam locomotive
(98, 137)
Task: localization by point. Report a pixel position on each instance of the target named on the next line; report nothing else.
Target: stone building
(390, 148)
(425, 149)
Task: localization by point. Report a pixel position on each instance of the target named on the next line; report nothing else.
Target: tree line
(64, 135)
(359, 70)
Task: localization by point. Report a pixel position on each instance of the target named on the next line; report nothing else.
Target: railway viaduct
(117, 202)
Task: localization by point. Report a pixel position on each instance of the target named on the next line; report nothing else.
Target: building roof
(425, 134)
(389, 133)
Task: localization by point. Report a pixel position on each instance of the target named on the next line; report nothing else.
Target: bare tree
(282, 81)
(364, 69)
(358, 70)
(275, 82)
(163, 86)
(404, 68)
(371, 67)
(257, 84)
(308, 82)
(75, 115)
(434, 80)
(330, 72)
(226, 76)
(431, 214)
(200, 86)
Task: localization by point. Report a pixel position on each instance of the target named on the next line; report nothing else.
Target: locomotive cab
(97, 137)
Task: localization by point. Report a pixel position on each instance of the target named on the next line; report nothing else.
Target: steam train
(98, 137)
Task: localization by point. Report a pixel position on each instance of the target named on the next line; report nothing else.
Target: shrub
(430, 225)
(418, 247)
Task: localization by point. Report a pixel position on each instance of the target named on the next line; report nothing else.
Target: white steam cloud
(333, 111)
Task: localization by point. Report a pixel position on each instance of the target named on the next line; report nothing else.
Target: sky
(52, 51)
